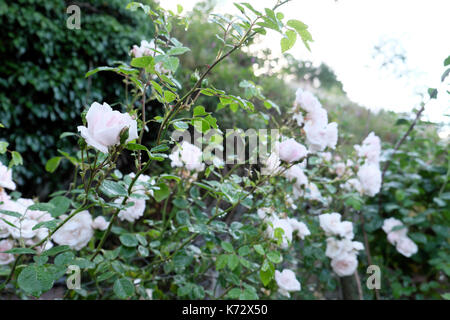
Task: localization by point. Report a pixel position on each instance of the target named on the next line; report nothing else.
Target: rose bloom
(306, 100)
(285, 225)
(406, 247)
(369, 176)
(370, 148)
(264, 213)
(330, 223)
(76, 232)
(134, 212)
(6, 178)
(336, 248)
(100, 223)
(300, 227)
(272, 165)
(340, 169)
(287, 282)
(394, 236)
(291, 151)
(6, 258)
(313, 192)
(189, 156)
(296, 173)
(345, 264)
(104, 126)
(346, 230)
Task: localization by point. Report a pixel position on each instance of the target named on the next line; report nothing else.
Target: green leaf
(143, 62)
(35, 280)
(128, 240)
(169, 96)
(171, 63)
(16, 159)
(199, 111)
(433, 93)
(266, 276)
(180, 125)
(135, 147)
(248, 295)
(302, 30)
(221, 261)
(61, 205)
(113, 189)
(21, 251)
(123, 288)
(162, 193)
(274, 256)
(244, 250)
(289, 41)
(3, 146)
(233, 261)
(259, 249)
(447, 61)
(177, 51)
(55, 250)
(228, 247)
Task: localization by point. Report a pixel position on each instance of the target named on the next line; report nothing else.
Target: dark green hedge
(42, 84)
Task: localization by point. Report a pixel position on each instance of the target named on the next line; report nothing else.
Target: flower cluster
(369, 174)
(290, 226)
(342, 252)
(137, 200)
(319, 133)
(149, 49)
(397, 235)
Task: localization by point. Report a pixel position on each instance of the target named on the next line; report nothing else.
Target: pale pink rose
(406, 247)
(134, 212)
(369, 176)
(300, 227)
(316, 118)
(340, 169)
(6, 178)
(313, 192)
(316, 137)
(6, 258)
(100, 223)
(332, 135)
(4, 196)
(76, 232)
(104, 126)
(394, 236)
(345, 264)
(287, 282)
(370, 149)
(346, 230)
(189, 156)
(306, 100)
(283, 224)
(272, 165)
(298, 117)
(291, 151)
(330, 223)
(264, 213)
(296, 173)
(336, 248)
(326, 156)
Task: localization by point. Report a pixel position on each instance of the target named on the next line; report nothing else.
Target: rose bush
(180, 221)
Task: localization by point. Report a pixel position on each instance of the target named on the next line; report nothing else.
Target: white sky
(345, 33)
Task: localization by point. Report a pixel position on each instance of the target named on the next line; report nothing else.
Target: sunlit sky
(345, 33)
